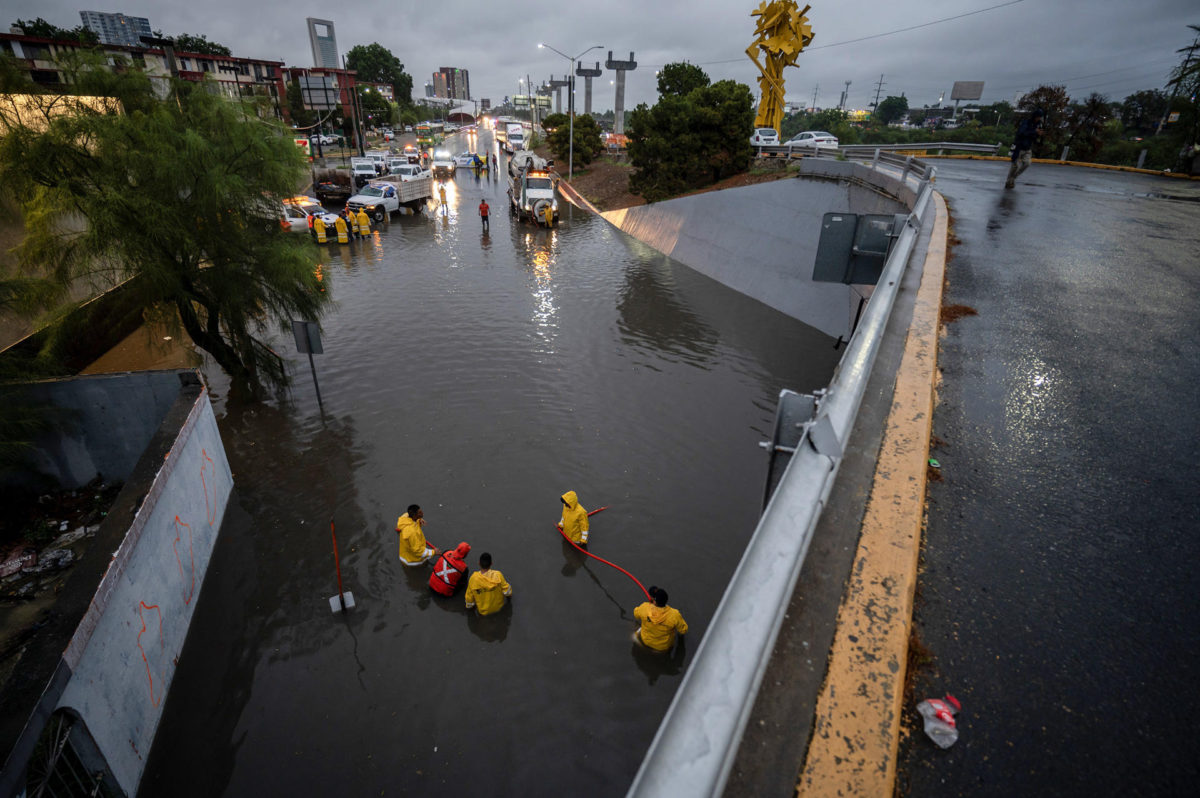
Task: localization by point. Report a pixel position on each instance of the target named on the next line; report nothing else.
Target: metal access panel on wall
(853, 248)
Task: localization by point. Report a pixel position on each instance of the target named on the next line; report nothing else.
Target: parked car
(408, 128)
(322, 140)
(298, 213)
(465, 159)
(765, 137)
(813, 138)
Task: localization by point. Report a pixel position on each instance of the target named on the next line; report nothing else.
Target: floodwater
(479, 376)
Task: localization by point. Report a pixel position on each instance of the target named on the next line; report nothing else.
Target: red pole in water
(337, 566)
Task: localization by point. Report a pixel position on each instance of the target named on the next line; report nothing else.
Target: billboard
(967, 90)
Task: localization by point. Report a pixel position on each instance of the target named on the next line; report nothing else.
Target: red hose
(601, 559)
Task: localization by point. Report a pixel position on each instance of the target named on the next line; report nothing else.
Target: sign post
(308, 340)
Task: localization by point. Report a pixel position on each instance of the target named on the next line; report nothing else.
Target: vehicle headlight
(554, 204)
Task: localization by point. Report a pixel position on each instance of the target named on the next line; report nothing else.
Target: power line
(865, 38)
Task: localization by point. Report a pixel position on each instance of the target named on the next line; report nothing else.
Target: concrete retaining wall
(761, 240)
(122, 656)
(106, 423)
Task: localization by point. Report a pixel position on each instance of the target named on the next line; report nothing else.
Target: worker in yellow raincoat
(342, 236)
(487, 588)
(319, 229)
(660, 624)
(364, 223)
(574, 519)
(414, 550)
(548, 213)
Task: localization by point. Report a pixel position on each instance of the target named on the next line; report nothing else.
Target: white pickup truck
(531, 188)
(384, 196)
(443, 164)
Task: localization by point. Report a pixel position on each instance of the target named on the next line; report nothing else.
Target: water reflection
(653, 318)
(540, 252)
(491, 628)
(656, 664)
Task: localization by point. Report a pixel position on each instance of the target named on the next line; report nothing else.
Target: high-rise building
(324, 43)
(116, 28)
(452, 83)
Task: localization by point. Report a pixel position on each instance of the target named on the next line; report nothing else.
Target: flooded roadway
(480, 376)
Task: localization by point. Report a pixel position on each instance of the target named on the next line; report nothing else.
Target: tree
(890, 110)
(374, 107)
(554, 121)
(1053, 101)
(995, 114)
(173, 197)
(1141, 110)
(295, 101)
(587, 139)
(686, 142)
(1086, 122)
(681, 79)
(376, 64)
(1185, 83)
(187, 43)
(47, 30)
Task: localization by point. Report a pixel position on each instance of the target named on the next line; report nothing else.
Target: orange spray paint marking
(161, 643)
(190, 591)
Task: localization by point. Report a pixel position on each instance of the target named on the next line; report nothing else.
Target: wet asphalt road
(1058, 599)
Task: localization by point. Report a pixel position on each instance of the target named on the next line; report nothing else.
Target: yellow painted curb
(856, 732)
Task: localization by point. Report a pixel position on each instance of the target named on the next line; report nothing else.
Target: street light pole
(571, 103)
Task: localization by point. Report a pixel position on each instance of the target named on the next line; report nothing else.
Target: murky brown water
(479, 376)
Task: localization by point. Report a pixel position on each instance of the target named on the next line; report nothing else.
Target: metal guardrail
(938, 148)
(696, 744)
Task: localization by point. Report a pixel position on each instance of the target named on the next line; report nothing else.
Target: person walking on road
(487, 588)
(483, 213)
(442, 194)
(1027, 135)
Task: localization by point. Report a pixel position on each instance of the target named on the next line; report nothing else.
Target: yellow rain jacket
(340, 224)
(319, 229)
(574, 518)
(413, 548)
(486, 591)
(659, 625)
(364, 223)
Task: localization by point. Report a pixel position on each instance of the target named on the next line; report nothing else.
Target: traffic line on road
(856, 731)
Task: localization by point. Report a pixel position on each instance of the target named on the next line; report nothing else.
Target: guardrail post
(875, 160)
(1142, 158)
(1065, 151)
(907, 168)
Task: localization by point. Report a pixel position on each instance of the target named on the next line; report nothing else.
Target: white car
(298, 213)
(813, 138)
(443, 164)
(464, 159)
(409, 171)
(765, 137)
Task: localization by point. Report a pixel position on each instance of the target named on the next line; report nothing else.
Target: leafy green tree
(890, 110)
(1185, 85)
(173, 197)
(587, 140)
(686, 142)
(376, 64)
(555, 121)
(681, 79)
(47, 30)
(1086, 122)
(188, 43)
(1141, 110)
(1053, 100)
(295, 102)
(995, 114)
(374, 107)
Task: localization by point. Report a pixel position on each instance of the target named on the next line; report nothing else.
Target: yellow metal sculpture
(782, 31)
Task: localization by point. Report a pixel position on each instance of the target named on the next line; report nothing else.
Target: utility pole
(878, 91)
(845, 93)
(816, 93)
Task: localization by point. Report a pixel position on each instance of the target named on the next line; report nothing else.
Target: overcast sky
(1106, 46)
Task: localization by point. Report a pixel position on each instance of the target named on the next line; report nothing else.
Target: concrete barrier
(761, 240)
(125, 610)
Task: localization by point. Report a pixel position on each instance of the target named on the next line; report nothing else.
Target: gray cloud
(1111, 48)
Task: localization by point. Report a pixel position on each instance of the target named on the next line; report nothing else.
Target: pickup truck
(443, 164)
(384, 196)
(332, 184)
(363, 171)
(531, 188)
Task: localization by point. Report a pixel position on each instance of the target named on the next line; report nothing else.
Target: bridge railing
(877, 150)
(696, 744)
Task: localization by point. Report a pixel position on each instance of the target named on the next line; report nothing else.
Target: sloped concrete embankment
(107, 657)
(761, 240)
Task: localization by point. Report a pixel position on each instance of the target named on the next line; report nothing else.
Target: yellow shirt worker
(487, 588)
(660, 624)
(414, 550)
(574, 519)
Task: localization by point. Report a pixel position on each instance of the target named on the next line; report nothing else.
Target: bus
(424, 135)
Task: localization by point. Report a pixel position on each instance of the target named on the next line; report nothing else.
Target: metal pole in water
(342, 601)
(316, 385)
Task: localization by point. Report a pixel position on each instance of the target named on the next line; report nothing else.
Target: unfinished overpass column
(587, 75)
(556, 86)
(620, 67)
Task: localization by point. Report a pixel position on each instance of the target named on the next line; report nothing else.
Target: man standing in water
(483, 213)
(487, 588)
(574, 522)
(660, 624)
(414, 550)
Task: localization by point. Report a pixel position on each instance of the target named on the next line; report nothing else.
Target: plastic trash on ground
(939, 719)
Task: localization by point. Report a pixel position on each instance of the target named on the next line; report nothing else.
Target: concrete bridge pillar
(556, 86)
(587, 75)
(620, 67)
